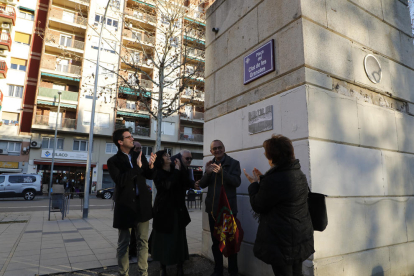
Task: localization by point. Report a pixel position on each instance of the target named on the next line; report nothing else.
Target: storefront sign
(261, 120)
(65, 155)
(9, 165)
(259, 63)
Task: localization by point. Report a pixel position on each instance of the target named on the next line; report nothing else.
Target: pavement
(31, 245)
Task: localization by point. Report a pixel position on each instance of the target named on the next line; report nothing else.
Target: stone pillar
(354, 137)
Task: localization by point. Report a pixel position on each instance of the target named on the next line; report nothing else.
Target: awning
(130, 91)
(62, 163)
(192, 20)
(26, 9)
(132, 114)
(56, 104)
(194, 39)
(60, 77)
(152, 6)
(6, 170)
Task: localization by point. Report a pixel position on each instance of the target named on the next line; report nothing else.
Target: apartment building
(68, 64)
(16, 41)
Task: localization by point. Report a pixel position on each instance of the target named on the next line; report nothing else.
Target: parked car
(105, 193)
(17, 185)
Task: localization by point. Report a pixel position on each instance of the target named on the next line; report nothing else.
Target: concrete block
(294, 113)
(269, 23)
(348, 20)
(385, 221)
(230, 123)
(346, 228)
(254, 140)
(327, 51)
(332, 116)
(402, 81)
(398, 173)
(344, 170)
(405, 132)
(301, 148)
(289, 48)
(216, 54)
(407, 50)
(372, 262)
(410, 108)
(229, 81)
(209, 135)
(377, 126)
(397, 14)
(318, 78)
(210, 24)
(410, 262)
(409, 218)
(329, 266)
(316, 11)
(373, 6)
(209, 91)
(243, 35)
(399, 258)
(216, 111)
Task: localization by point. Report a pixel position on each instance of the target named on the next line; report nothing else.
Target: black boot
(180, 270)
(163, 271)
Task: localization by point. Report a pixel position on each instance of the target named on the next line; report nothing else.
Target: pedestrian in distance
(221, 163)
(284, 237)
(169, 241)
(133, 199)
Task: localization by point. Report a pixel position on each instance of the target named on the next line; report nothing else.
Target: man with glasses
(133, 199)
(230, 168)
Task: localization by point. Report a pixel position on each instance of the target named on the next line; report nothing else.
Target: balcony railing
(76, 19)
(196, 94)
(8, 12)
(140, 15)
(53, 93)
(71, 43)
(191, 137)
(195, 33)
(138, 58)
(44, 120)
(3, 69)
(195, 115)
(68, 68)
(196, 53)
(139, 36)
(138, 130)
(5, 40)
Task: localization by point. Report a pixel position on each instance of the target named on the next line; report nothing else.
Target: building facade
(16, 51)
(68, 64)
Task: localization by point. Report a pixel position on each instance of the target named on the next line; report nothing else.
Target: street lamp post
(88, 163)
(54, 149)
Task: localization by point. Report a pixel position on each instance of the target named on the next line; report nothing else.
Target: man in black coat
(133, 199)
(221, 163)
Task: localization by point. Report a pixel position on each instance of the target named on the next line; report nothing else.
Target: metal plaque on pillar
(261, 120)
(260, 62)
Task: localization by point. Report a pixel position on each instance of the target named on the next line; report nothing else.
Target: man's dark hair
(118, 135)
(159, 160)
(216, 141)
(279, 149)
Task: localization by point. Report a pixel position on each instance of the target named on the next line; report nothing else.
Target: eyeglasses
(128, 137)
(217, 148)
(188, 158)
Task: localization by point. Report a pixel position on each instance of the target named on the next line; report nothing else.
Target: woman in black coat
(169, 241)
(279, 197)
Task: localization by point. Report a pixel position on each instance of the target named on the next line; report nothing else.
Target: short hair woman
(279, 197)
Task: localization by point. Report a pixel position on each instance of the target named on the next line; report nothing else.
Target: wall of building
(354, 138)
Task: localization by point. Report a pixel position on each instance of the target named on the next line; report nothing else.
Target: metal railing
(138, 130)
(44, 120)
(140, 36)
(5, 39)
(195, 115)
(141, 15)
(8, 11)
(55, 38)
(191, 137)
(68, 68)
(196, 52)
(76, 19)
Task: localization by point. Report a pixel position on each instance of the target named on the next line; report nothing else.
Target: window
(111, 148)
(188, 131)
(22, 38)
(168, 150)
(131, 105)
(101, 119)
(146, 150)
(115, 4)
(80, 145)
(65, 40)
(10, 118)
(2, 179)
(110, 23)
(62, 65)
(197, 155)
(167, 128)
(26, 14)
(14, 147)
(22, 179)
(48, 143)
(15, 91)
(68, 17)
(18, 64)
(174, 41)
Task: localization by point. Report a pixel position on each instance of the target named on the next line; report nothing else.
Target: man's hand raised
(152, 160)
(209, 168)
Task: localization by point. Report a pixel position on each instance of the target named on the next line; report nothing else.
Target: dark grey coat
(231, 179)
(285, 232)
(128, 210)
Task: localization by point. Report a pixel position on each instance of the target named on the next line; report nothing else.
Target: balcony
(138, 36)
(195, 53)
(193, 94)
(70, 22)
(3, 69)
(53, 93)
(137, 130)
(192, 116)
(140, 15)
(198, 138)
(198, 16)
(7, 15)
(50, 122)
(54, 39)
(5, 41)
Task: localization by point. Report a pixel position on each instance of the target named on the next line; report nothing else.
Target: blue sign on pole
(260, 62)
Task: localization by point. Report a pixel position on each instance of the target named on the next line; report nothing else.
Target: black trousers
(218, 256)
(288, 270)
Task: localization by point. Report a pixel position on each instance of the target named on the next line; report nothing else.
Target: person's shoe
(180, 270)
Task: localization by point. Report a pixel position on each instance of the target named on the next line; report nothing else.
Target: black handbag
(317, 211)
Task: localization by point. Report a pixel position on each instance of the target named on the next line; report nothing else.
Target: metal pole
(54, 149)
(90, 143)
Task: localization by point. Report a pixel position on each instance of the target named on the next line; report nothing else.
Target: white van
(16, 185)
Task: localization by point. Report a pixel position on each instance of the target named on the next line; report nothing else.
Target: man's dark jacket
(128, 210)
(231, 180)
(285, 232)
